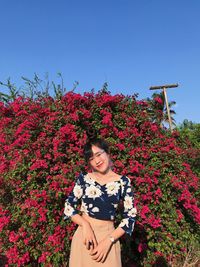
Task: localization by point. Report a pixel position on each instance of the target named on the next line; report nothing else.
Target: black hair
(92, 139)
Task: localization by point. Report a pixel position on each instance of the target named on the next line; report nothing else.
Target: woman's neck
(100, 175)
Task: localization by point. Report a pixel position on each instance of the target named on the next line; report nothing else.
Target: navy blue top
(101, 201)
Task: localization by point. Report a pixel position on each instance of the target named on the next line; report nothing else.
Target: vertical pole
(164, 87)
(168, 112)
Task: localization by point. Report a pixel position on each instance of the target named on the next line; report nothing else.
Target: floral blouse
(101, 201)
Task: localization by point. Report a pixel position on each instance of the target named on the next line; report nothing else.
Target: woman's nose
(97, 160)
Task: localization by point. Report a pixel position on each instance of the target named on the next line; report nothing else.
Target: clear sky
(130, 44)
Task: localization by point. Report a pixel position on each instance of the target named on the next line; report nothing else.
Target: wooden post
(164, 87)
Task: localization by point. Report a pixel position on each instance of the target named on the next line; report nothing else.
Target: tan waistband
(97, 222)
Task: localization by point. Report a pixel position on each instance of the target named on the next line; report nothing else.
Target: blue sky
(130, 44)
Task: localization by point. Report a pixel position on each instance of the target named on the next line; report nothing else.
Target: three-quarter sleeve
(129, 210)
(74, 198)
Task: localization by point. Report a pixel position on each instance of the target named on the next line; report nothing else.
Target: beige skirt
(79, 255)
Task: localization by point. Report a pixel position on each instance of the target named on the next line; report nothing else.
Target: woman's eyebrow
(96, 153)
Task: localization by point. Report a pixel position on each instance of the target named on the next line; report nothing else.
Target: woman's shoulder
(80, 178)
(85, 178)
(125, 179)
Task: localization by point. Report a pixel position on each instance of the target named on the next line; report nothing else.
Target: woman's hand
(100, 253)
(89, 239)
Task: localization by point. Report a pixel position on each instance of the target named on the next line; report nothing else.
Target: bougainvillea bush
(41, 143)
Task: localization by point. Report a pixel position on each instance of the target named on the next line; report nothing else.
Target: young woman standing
(96, 241)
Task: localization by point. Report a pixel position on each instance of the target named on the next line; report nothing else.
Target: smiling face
(100, 160)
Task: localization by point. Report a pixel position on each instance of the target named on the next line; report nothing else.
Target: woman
(96, 241)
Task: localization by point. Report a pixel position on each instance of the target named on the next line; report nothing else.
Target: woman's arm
(116, 234)
(89, 238)
(129, 210)
(71, 212)
(100, 253)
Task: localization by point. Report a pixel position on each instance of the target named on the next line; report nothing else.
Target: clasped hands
(98, 251)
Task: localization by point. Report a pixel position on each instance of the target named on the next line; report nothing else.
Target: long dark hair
(92, 139)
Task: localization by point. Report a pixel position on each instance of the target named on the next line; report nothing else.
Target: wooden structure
(164, 87)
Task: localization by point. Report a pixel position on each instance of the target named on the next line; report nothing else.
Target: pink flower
(12, 254)
(43, 257)
(42, 213)
(4, 220)
(142, 247)
(158, 192)
(74, 116)
(159, 100)
(158, 253)
(180, 215)
(121, 147)
(13, 237)
(23, 259)
(121, 135)
(26, 241)
(39, 164)
(107, 117)
(155, 223)
(145, 209)
(154, 127)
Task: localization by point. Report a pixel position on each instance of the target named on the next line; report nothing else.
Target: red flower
(4, 221)
(159, 100)
(180, 215)
(39, 164)
(142, 247)
(155, 223)
(42, 258)
(13, 237)
(120, 146)
(145, 209)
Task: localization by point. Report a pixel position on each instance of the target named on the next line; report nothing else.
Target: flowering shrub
(190, 141)
(41, 145)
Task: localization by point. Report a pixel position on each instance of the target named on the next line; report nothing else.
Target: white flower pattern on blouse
(78, 191)
(124, 222)
(128, 203)
(112, 188)
(89, 180)
(68, 211)
(92, 191)
(101, 201)
(95, 209)
(132, 212)
(84, 208)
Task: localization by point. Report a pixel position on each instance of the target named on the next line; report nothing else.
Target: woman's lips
(98, 166)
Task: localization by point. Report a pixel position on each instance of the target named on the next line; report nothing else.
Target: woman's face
(100, 161)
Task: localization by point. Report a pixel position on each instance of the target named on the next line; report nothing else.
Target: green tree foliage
(158, 110)
(191, 130)
(190, 139)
